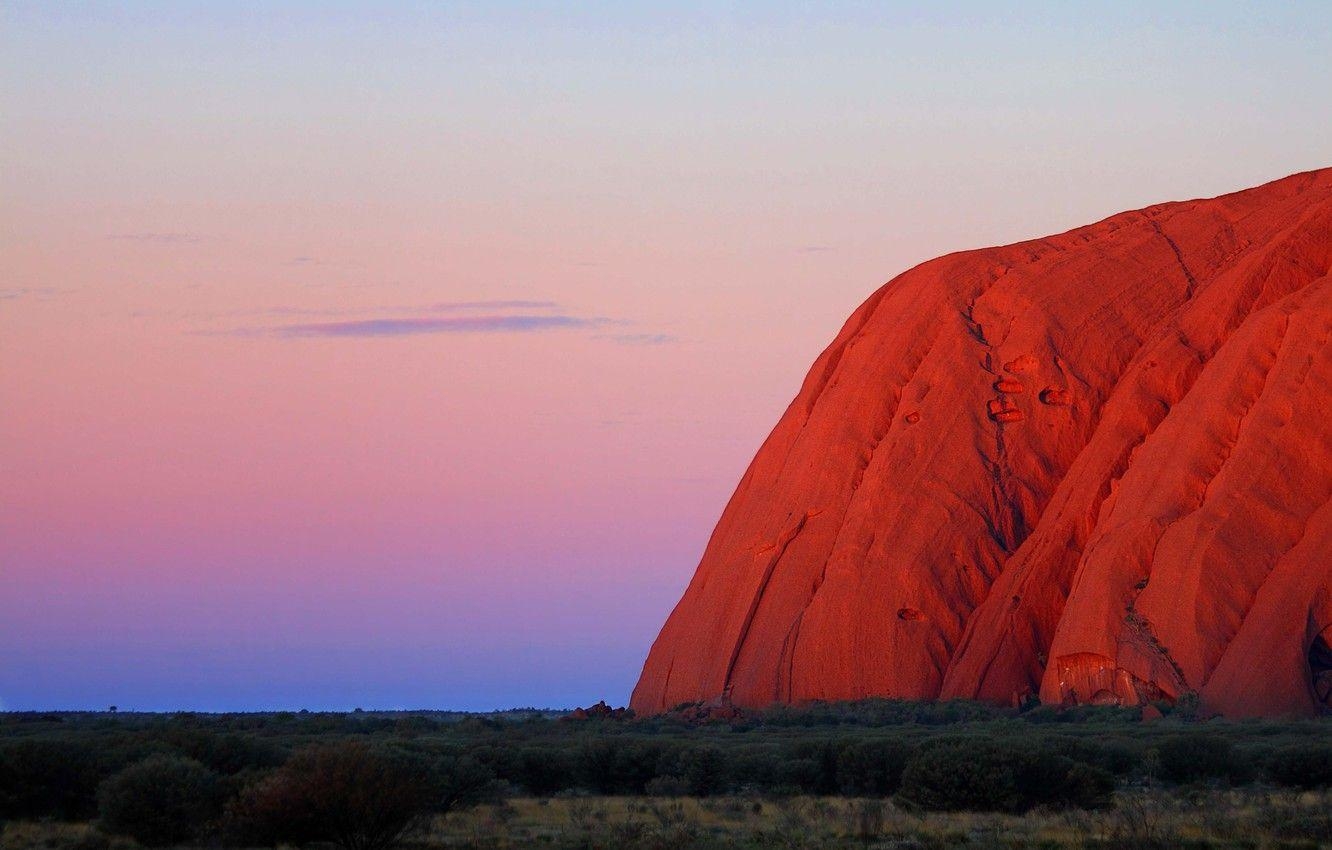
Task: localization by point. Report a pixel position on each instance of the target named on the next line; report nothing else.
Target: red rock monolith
(1122, 495)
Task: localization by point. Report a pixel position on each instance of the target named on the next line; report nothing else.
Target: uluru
(1094, 468)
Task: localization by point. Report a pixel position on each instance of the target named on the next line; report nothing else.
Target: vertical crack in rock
(1011, 530)
(1179, 257)
(782, 544)
(1142, 636)
(876, 439)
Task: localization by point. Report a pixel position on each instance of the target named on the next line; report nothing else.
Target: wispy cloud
(813, 249)
(493, 316)
(639, 339)
(36, 293)
(417, 326)
(381, 310)
(164, 238)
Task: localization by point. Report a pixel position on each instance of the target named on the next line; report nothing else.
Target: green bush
(756, 768)
(1113, 757)
(812, 766)
(703, 770)
(351, 794)
(40, 779)
(159, 801)
(460, 782)
(225, 754)
(544, 771)
(871, 768)
(1302, 765)
(1199, 756)
(613, 766)
(979, 774)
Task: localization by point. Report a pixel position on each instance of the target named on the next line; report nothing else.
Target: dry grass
(1214, 819)
(1140, 820)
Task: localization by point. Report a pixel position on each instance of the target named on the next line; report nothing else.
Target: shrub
(599, 766)
(1114, 757)
(703, 770)
(812, 767)
(159, 801)
(1302, 766)
(48, 779)
(757, 768)
(543, 771)
(611, 766)
(226, 754)
(460, 782)
(1199, 756)
(983, 775)
(351, 794)
(871, 768)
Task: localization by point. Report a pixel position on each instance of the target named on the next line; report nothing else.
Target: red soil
(1124, 493)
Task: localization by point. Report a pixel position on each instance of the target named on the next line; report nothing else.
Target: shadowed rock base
(1094, 467)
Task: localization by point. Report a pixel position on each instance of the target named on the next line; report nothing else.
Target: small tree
(704, 770)
(351, 794)
(1199, 757)
(44, 779)
(1307, 765)
(871, 768)
(980, 775)
(159, 801)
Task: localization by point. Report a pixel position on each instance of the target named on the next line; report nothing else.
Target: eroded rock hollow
(1093, 468)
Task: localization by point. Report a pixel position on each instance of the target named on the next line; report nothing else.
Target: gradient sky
(404, 356)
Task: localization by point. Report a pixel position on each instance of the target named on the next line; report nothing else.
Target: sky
(404, 355)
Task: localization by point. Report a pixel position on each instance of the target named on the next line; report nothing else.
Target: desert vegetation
(864, 774)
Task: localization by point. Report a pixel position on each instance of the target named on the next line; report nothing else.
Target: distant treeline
(360, 779)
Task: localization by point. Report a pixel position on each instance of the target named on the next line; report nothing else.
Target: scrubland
(853, 775)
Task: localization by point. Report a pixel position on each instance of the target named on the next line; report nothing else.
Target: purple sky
(404, 355)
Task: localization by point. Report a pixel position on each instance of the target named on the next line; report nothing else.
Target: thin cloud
(36, 293)
(164, 238)
(368, 312)
(813, 249)
(418, 326)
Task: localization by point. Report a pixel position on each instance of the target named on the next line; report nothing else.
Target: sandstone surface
(1095, 467)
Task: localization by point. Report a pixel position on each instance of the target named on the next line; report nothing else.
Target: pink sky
(406, 359)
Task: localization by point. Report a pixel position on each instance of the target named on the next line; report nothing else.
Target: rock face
(1096, 467)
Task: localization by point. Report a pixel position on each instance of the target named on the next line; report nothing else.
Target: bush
(1197, 757)
(351, 794)
(952, 774)
(159, 801)
(461, 782)
(1302, 766)
(225, 754)
(757, 768)
(703, 770)
(40, 779)
(544, 771)
(812, 767)
(1115, 758)
(872, 768)
(611, 766)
